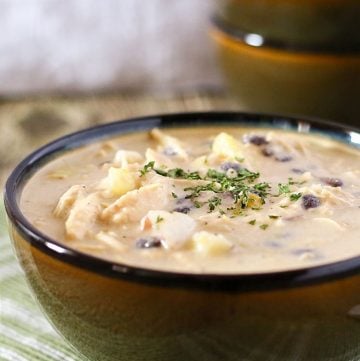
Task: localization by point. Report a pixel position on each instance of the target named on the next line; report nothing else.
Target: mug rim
(258, 40)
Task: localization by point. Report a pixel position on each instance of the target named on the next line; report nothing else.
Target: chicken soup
(203, 200)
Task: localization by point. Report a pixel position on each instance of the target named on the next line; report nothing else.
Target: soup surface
(203, 200)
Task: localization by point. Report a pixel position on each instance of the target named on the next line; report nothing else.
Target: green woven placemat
(25, 333)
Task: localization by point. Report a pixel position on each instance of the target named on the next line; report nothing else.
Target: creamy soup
(212, 200)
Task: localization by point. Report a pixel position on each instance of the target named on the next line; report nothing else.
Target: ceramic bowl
(111, 311)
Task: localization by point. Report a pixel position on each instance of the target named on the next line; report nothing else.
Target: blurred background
(69, 64)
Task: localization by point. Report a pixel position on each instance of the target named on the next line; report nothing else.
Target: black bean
(150, 242)
(182, 209)
(267, 152)
(258, 140)
(298, 170)
(333, 182)
(230, 165)
(169, 151)
(277, 153)
(310, 201)
(283, 157)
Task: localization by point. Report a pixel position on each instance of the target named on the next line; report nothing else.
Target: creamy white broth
(150, 223)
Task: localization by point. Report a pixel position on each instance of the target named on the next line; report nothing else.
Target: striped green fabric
(25, 333)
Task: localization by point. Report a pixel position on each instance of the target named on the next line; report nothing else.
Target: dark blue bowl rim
(208, 281)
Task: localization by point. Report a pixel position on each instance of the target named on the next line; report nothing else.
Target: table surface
(25, 334)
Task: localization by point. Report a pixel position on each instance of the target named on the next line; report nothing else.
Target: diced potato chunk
(328, 223)
(199, 164)
(174, 228)
(227, 146)
(210, 244)
(121, 181)
(161, 160)
(125, 157)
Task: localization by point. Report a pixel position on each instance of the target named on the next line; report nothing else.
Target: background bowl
(112, 311)
(292, 57)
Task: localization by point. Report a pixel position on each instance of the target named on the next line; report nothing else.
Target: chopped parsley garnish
(174, 195)
(264, 226)
(284, 188)
(147, 168)
(159, 219)
(177, 173)
(274, 217)
(291, 181)
(295, 196)
(252, 222)
(241, 186)
(213, 203)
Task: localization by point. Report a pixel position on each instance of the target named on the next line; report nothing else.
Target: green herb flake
(284, 188)
(252, 222)
(161, 172)
(239, 159)
(239, 187)
(295, 196)
(264, 226)
(291, 181)
(274, 217)
(213, 203)
(159, 219)
(147, 168)
(174, 195)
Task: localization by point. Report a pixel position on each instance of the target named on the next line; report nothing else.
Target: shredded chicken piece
(132, 206)
(175, 229)
(161, 160)
(126, 157)
(67, 200)
(169, 144)
(82, 216)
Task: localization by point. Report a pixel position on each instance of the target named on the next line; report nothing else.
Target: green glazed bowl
(298, 57)
(112, 311)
